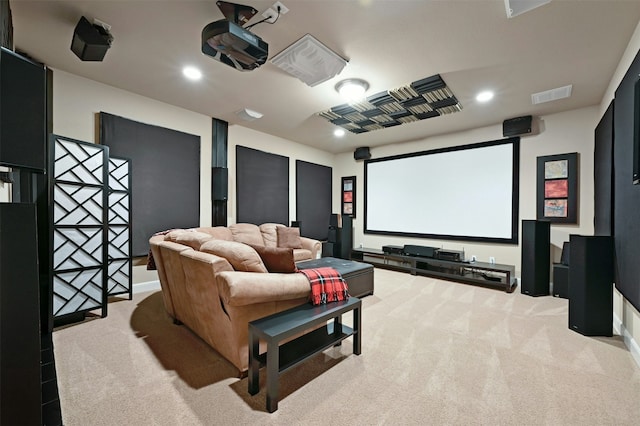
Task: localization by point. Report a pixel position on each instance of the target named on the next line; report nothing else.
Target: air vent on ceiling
(426, 98)
(518, 7)
(310, 61)
(551, 95)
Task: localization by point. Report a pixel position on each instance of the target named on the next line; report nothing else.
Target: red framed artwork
(349, 196)
(557, 183)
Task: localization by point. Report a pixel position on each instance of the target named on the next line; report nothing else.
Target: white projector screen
(466, 192)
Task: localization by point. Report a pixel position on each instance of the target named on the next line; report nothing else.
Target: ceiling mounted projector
(226, 41)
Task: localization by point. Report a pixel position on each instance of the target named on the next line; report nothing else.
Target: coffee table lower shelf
(294, 352)
(283, 325)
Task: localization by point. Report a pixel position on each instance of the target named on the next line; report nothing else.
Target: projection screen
(466, 192)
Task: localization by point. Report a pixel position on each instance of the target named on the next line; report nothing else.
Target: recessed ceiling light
(249, 114)
(485, 96)
(192, 73)
(338, 133)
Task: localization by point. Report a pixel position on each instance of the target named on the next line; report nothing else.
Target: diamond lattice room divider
(119, 228)
(79, 175)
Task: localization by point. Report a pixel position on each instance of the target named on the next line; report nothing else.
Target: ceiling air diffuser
(310, 61)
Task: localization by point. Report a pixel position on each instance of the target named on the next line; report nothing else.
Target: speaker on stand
(346, 238)
(536, 257)
(331, 246)
(591, 285)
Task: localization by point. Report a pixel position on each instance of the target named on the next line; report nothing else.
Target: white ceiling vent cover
(310, 61)
(551, 95)
(518, 7)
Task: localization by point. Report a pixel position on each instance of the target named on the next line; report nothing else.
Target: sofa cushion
(193, 239)
(276, 259)
(219, 232)
(247, 233)
(241, 256)
(289, 237)
(301, 254)
(269, 234)
(173, 235)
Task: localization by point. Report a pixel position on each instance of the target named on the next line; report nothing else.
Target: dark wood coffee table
(283, 325)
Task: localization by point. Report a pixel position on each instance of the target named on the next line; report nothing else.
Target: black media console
(479, 273)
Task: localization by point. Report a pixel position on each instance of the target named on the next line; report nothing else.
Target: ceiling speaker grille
(422, 99)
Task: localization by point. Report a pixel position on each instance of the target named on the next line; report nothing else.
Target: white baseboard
(629, 341)
(147, 286)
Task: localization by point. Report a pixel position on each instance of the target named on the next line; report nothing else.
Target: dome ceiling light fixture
(352, 89)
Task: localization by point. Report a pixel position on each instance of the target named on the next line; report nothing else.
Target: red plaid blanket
(327, 285)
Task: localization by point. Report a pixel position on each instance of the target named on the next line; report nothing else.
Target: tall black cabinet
(28, 393)
(20, 396)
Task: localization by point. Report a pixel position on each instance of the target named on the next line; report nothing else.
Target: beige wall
(566, 132)
(626, 316)
(77, 100)
(5, 188)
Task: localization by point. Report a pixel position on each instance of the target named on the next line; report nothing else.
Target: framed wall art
(349, 196)
(557, 188)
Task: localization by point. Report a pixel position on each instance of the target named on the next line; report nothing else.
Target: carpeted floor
(433, 352)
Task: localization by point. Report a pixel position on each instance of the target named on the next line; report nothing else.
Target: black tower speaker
(591, 285)
(345, 239)
(333, 221)
(536, 257)
(219, 183)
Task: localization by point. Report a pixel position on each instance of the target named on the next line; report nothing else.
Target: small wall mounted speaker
(517, 126)
(362, 153)
(90, 42)
(219, 183)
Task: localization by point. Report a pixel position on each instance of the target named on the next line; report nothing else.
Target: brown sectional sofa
(215, 286)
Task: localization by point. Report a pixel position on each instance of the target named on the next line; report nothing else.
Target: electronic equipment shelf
(479, 273)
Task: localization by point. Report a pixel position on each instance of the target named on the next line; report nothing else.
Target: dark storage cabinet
(20, 397)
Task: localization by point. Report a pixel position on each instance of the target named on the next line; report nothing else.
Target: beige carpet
(433, 352)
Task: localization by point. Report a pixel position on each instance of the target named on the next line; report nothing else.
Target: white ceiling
(390, 43)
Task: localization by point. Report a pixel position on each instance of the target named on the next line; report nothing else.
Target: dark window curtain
(313, 199)
(165, 176)
(262, 187)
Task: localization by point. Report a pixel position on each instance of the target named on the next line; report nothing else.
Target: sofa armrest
(312, 245)
(245, 288)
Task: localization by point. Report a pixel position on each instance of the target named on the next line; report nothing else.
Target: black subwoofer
(591, 285)
(536, 258)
